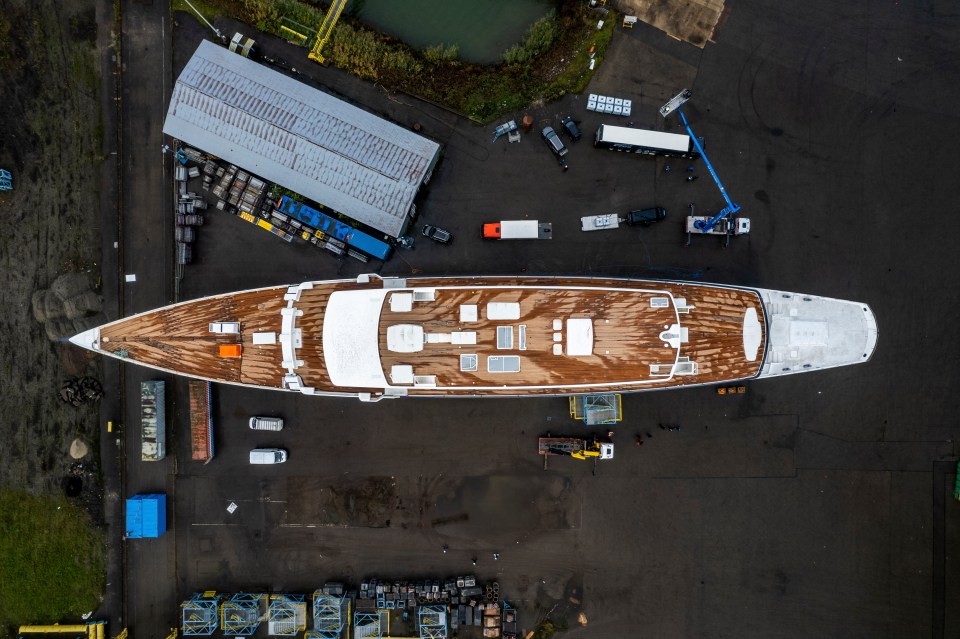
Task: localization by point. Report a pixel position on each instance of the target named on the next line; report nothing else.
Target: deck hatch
(264, 338)
(401, 302)
(579, 337)
(468, 362)
(503, 364)
(504, 337)
(503, 310)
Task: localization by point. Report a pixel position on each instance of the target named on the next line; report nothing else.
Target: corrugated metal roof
(303, 139)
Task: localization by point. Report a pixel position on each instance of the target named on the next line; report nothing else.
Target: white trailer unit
(599, 222)
(518, 230)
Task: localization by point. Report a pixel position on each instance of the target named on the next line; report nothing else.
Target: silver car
(266, 423)
(553, 141)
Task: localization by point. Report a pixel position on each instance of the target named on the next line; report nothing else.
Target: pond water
(482, 29)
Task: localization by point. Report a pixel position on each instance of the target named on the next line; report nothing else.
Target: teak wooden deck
(626, 335)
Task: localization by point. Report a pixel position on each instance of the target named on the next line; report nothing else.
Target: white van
(268, 456)
(266, 423)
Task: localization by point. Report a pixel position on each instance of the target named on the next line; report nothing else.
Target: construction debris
(80, 390)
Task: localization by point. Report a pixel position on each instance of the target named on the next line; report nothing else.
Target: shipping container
(146, 516)
(152, 421)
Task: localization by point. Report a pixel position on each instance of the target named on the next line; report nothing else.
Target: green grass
(576, 74)
(209, 10)
(51, 560)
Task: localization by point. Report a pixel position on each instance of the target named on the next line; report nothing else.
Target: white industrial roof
(303, 139)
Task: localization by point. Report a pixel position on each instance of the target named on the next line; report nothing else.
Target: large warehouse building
(286, 132)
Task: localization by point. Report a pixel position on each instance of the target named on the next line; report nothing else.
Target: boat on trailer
(384, 337)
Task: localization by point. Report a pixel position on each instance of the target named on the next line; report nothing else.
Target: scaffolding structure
(432, 622)
(329, 616)
(242, 613)
(594, 410)
(200, 614)
(286, 615)
(368, 625)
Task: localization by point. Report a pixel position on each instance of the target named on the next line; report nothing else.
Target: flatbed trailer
(571, 446)
(201, 421)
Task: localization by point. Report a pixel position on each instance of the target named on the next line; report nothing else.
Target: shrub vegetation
(552, 60)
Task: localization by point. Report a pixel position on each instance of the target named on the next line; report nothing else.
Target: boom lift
(326, 29)
(702, 225)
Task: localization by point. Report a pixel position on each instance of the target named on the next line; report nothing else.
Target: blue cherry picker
(725, 222)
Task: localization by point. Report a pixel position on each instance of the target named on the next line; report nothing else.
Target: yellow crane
(326, 29)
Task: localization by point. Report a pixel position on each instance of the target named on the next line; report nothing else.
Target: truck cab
(491, 231)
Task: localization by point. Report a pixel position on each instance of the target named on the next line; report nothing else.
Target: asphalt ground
(810, 506)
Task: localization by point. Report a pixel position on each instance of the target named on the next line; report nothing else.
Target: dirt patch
(692, 21)
(368, 503)
(52, 145)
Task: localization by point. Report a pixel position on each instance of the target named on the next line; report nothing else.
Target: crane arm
(730, 208)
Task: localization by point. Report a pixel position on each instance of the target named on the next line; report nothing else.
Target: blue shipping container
(334, 228)
(146, 516)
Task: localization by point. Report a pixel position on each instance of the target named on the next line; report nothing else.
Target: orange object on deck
(230, 350)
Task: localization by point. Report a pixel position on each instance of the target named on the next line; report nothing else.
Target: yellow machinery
(592, 450)
(601, 450)
(326, 29)
(92, 630)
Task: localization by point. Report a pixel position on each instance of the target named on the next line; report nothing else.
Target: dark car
(553, 141)
(570, 126)
(646, 217)
(437, 234)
